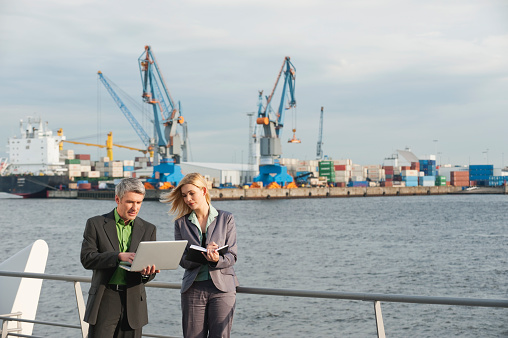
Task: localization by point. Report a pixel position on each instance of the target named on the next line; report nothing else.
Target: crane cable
(99, 115)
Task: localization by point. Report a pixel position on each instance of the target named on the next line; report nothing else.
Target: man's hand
(126, 256)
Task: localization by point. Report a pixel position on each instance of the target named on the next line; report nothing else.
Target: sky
(431, 75)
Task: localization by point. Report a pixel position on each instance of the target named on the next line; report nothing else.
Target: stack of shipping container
(80, 167)
(459, 178)
(326, 169)
(343, 170)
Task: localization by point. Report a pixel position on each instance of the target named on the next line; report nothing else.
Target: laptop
(165, 255)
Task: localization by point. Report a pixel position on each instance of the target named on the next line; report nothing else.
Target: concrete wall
(227, 194)
(240, 194)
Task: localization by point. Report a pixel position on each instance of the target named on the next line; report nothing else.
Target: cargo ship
(34, 164)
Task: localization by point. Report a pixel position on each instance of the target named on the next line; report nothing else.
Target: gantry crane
(167, 118)
(319, 152)
(270, 169)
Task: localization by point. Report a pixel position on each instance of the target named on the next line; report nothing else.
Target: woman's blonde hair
(175, 198)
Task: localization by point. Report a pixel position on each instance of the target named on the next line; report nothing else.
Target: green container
(440, 180)
(326, 164)
(74, 161)
(329, 176)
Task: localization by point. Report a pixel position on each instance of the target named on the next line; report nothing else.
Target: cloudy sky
(390, 74)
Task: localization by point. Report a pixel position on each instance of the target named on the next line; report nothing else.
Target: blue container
(358, 184)
(481, 167)
(128, 168)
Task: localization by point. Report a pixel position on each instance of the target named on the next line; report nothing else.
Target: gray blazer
(221, 231)
(99, 252)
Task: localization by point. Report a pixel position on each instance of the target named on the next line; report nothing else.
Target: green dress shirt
(124, 232)
(204, 272)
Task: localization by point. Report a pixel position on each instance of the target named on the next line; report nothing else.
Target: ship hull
(29, 186)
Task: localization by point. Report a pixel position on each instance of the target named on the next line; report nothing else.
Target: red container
(340, 167)
(82, 156)
(85, 186)
(386, 183)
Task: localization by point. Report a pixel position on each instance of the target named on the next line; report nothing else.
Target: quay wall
(233, 194)
(261, 193)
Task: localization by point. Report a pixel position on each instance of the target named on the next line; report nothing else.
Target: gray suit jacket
(99, 252)
(221, 231)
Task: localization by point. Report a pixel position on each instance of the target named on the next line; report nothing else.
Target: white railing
(376, 299)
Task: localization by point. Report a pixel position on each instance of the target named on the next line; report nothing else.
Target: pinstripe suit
(223, 282)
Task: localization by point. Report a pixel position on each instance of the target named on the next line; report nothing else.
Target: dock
(261, 193)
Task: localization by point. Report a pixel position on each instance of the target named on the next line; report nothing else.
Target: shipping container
(74, 173)
(440, 180)
(84, 186)
(358, 184)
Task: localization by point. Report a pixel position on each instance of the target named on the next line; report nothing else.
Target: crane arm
(86, 144)
(144, 151)
(146, 61)
(265, 115)
(167, 115)
(319, 152)
(134, 123)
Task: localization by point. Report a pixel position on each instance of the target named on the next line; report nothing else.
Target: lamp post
(487, 153)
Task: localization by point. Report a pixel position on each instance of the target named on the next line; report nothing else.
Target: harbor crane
(167, 117)
(270, 169)
(319, 152)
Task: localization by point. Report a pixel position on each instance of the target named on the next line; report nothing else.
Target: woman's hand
(211, 252)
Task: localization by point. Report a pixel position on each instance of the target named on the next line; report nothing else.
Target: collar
(212, 213)
(119, 220)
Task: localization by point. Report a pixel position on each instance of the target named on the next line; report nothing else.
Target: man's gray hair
(129, 185)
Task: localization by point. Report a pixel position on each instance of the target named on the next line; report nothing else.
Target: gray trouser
(207, 311)
(112, 318)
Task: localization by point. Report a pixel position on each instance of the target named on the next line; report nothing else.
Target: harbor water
(445, 245)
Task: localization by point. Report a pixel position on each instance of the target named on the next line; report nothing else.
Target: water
(453, 246)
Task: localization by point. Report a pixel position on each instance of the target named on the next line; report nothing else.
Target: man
(116, 305)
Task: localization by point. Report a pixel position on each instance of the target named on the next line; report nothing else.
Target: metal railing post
(81, 309)
(379, 319)
(5, 323)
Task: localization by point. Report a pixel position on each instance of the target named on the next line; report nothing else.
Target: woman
(208, 293)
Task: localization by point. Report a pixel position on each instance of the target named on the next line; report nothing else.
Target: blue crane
(147, 141)
(270, 169)
(167, 118)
